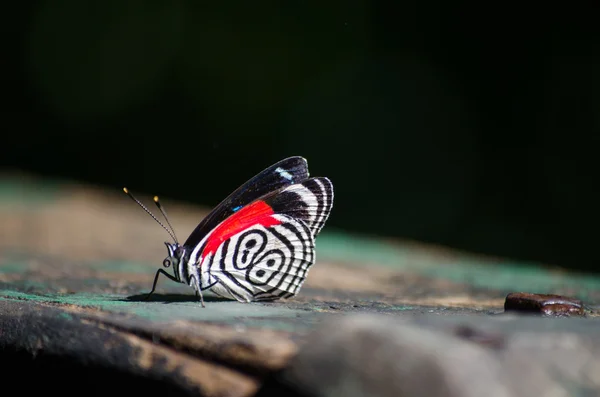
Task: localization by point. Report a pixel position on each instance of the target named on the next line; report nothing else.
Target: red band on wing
(256, 213)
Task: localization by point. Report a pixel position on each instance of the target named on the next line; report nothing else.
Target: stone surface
(76, 263)
(48, 335)
(367, 355)
(378, 356)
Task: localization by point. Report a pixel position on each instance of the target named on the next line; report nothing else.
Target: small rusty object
(548, 305)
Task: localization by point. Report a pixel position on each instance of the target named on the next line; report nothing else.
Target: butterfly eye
(166, 263)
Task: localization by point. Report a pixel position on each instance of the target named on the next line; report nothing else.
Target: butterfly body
(259, 243)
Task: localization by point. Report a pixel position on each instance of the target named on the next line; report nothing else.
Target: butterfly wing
(261, 263)
(264, 251)
(283, 173)
(309, 201)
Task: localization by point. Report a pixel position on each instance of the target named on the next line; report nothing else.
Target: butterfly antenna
(149, 213)
(162, 211)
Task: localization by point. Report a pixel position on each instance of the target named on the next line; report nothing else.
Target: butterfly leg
(199, 293)
(198, 290)
(156, 280)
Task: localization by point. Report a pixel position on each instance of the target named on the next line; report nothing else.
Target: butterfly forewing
(283, 173)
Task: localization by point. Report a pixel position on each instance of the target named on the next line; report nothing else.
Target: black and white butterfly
(258, 243)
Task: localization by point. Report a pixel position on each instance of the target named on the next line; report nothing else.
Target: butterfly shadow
(172, 298)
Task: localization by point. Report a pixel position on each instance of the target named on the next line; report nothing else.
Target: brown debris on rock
(545, 304)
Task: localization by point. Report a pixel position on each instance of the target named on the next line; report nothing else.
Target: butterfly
(259, 243)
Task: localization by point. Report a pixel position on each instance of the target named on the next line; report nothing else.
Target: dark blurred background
(476, 129)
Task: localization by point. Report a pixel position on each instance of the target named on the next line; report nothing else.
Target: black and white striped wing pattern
(309, 201)
(261, 263)
(269, 256)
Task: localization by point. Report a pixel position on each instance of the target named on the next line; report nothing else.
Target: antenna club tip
(156, 199)
(125, 190)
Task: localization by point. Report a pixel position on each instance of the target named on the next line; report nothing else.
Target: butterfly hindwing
(263, 251)
(283, 173)
(261, 262)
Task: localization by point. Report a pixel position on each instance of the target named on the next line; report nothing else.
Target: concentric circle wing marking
(262, 263)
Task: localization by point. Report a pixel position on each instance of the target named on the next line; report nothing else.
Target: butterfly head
(175, 256)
